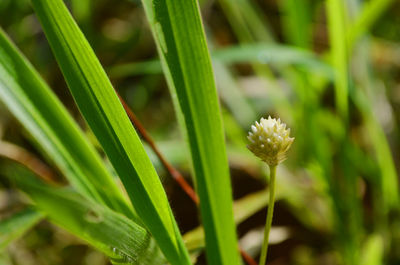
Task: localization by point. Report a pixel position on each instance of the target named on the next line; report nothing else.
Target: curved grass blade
(389, 178)
(17, 225)
(246, 53)
(32, 102)
(124, 241)
(273, 54)
(179, 34)
(100, 106)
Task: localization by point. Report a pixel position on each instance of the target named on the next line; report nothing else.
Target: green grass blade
(17, 225)
(389, 178)
(247, 53)
(179, 34)
(386, 188)
(273, 54)
(104, 113)
(337, 34)
(115, 235)
(37, 108)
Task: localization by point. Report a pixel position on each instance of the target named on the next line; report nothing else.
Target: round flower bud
(269, 140)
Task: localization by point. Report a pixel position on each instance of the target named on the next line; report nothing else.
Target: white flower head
(270, 140)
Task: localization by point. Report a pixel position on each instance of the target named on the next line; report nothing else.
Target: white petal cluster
(270, 140)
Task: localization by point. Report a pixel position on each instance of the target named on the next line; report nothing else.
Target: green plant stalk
(336, 13)
(180, 38)
(268, 223)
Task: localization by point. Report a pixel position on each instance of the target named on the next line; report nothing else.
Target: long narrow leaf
(337, 35)
(105, 115)
(389, 178)
(32, 102)
(247, 53)
(119, 238)
(179, 34)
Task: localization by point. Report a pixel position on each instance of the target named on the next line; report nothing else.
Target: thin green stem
(268, 223)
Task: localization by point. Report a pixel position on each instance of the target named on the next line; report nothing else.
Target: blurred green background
(329, 69)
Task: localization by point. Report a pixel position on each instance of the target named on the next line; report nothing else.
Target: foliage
(329, 69)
